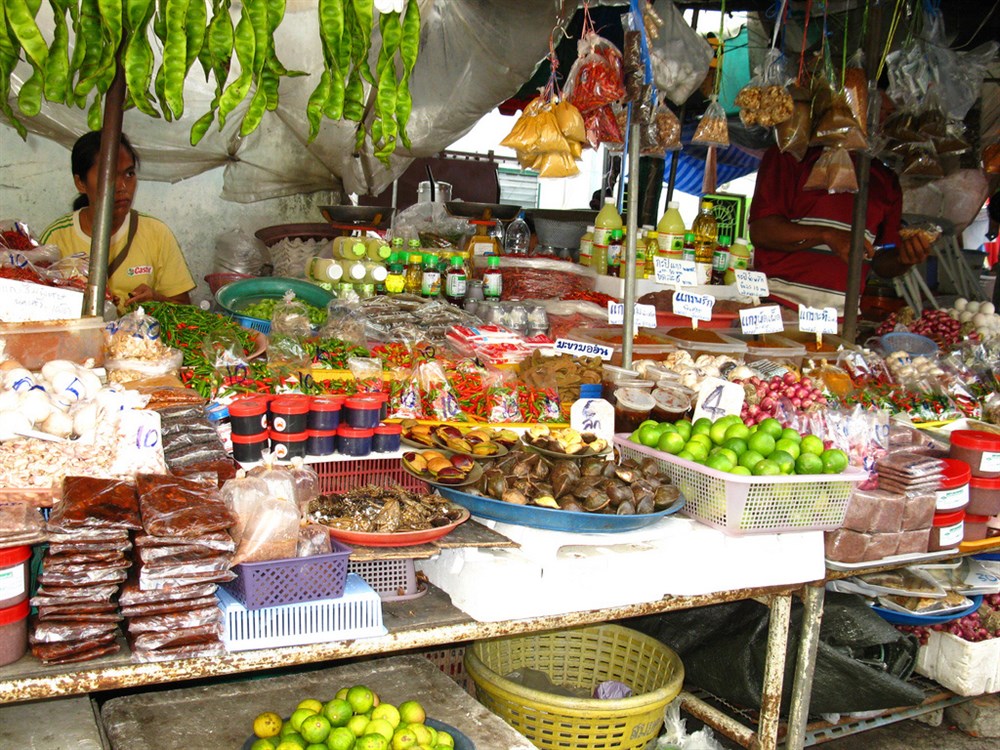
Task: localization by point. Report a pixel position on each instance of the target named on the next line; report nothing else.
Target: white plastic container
(591, 413)
(962, 666)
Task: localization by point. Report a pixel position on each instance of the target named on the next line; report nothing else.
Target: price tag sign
(616, 313)
(583, 349)
(717, 398)
(817, 320)
(675, 272)
(766, 319)
(645, 316)
(694, 306)
(751, 283)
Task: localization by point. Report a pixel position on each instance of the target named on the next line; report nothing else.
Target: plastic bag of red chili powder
(596, 77)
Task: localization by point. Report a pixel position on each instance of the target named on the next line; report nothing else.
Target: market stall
(417, 434)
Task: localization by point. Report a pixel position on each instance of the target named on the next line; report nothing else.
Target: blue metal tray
(552, 519)
(901, 618)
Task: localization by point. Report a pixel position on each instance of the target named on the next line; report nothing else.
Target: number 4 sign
(717, 398)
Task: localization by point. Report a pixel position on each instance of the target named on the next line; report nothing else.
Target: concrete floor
(912, 735)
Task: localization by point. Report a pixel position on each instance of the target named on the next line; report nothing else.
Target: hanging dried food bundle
(593, 84)
(792, 135)
(834, 121)
(549, 137)
(765, 100)
(833, 172)
(713, 130)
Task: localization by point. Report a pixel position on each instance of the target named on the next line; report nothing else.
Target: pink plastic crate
(340, 476)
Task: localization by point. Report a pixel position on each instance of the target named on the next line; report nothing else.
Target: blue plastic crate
(254, 324)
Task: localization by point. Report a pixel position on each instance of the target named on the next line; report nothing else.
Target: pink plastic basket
(340, 476)
(753, 505)
(292, 580)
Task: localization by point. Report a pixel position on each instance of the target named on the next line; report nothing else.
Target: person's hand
(839, 240)
(914, 249)
(142, 293)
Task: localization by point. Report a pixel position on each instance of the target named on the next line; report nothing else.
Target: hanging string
(843, 54)
(893, 27)
(720, 50)
(805, 38)
(779, 19)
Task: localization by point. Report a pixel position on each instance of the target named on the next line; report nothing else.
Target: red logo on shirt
(139, 271)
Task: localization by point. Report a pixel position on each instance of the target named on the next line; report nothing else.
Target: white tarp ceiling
(474, 54)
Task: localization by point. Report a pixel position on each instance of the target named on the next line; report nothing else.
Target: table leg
(805, 666)
(774, 672)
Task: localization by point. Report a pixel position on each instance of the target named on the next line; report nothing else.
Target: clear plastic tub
(34, 344)
(649, 344)
(698, 341)
(770, 346)
(831, 342)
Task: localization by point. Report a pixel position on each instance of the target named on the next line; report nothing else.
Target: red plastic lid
(327, 403)
(976, 439)
(368, 401)
(291, 404)
(13, 556)
(248, 407)
(381, 396)
(950, 518)
(985, 483)
(249, 439)
(354, 432)
(389, 429)
(954, 474)
(322, 433)
(976, 519)
(288, 437)
(14, 614)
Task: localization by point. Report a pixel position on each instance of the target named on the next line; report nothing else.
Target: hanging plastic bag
(679, 56)
(603, 127)
(793, 134)
(596, 77)
(765, 100)
(713, 130)
(920, 162)
(570, 121)
(834, 123)
(668, 129)
(237, 251)
(833, 172)
(855, 87)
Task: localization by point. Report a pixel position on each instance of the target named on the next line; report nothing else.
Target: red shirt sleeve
(777, 179)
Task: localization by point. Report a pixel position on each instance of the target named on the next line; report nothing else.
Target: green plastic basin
(234, 297)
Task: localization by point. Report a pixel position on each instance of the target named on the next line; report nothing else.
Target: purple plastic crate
(292, 580)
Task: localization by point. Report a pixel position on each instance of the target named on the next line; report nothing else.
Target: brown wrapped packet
(88, 654)
(89, 502)
(166, 608)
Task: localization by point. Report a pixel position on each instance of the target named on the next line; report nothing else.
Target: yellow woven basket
(581, 657)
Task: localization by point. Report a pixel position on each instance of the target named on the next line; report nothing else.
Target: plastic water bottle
(517, 238)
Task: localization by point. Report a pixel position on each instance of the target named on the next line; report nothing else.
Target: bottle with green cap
(492, 278)
(349, 248)
(430, 279)
(455, 281)
(376, 249)
(395, 281)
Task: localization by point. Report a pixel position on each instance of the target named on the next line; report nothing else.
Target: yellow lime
(312, 703)
(372, 742)
(412, 712)
(357, 724)
(263, 744)
(267, 724)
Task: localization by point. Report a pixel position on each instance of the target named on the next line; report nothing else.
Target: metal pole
(805, 665)
(633, 229)
(107, 173)
(863, 166)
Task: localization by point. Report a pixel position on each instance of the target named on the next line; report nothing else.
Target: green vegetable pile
(264, 309)
(79, 64)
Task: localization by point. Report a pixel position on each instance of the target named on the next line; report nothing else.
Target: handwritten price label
(673, 272)
(717, 398)
(765, 319)
(751, 283)
(645, 316)
(584, 349)
(694, 306)
(817, 320)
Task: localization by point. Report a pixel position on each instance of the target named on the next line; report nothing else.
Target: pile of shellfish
(479, 441)
(592, 484)
(382, 510)
(435, 466)
(565, 440)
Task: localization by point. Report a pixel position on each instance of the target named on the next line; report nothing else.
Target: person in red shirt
(802, 238)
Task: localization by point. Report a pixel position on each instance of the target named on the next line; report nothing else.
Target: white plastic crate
(753, 505)
(964, 667)
(357, 614)
(395, 579)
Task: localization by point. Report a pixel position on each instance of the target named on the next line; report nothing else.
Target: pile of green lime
(355, 719)
(729, 445)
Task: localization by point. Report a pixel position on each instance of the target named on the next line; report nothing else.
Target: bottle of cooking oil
(348, 248)
(652, 248)
(482, 242)
(413, 274)
(608, 220)
(376, 249)
(430, 280)
(706, 231)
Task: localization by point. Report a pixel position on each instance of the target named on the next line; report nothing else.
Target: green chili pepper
(22, 22)
(57, 63)
(175, 56)
(364, 15)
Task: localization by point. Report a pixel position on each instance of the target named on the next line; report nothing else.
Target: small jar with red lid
(321, 442)
(383, 401)
(324, 412)
(984, 496)
(13, 575)
(290, 414)
(249, 449)
(980, 450)
(953, 488)
(387, 438)
(975, 528)
(362, 412)
(13, 632)
(354, 441)
(947, 531)
(288, 445)
(248, 416)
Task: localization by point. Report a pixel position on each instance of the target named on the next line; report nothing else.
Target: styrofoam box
(964, 667)
(555, 572)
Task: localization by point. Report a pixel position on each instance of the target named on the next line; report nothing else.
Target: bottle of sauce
(615, 253)
(354, 271)
(430, 279)
(591, 413)
(688, 249)
(349, 248)
(395, 280)
(670, 232)
(492, 279)
(324, 270)
(720, 261)
(587, 246)
(455, 282)
(376, 274)
(608, 219)
(482, 242)
(706, 231)
(739, 259)
(376, 250)
(413, 273)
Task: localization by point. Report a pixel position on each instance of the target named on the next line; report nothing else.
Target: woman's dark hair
(84, 156)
